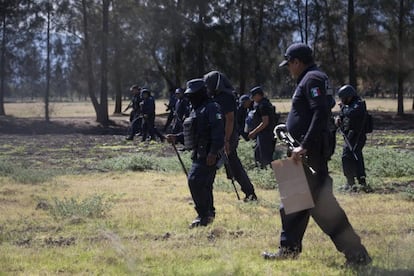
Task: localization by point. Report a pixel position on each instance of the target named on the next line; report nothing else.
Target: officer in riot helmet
(204, 135)
(222, 92)
(351, 122)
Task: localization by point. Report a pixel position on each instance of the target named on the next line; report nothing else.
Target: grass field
(89, 204)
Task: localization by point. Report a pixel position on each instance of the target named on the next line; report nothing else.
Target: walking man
(205, 137)
(220, 89)
(307, 122)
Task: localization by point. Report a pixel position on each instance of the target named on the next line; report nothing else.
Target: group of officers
(214, 119)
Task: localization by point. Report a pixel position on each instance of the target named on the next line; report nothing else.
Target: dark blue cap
(194, 86)
(300, 51)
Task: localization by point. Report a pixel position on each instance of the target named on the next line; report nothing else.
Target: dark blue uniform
(148, 113)
(242, 113)
(307, 122)
(181, 111)
(352, 117)
(135, 117)
(171, 108)
(227, 102)
(208, 137)
(265, 141)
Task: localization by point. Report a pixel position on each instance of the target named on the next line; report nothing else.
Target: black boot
(350, 184)
(364, 186)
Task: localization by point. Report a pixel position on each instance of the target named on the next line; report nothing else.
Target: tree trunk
(400, 108)
(258, 46)
(242, 51)
(117, 66)
(103, 117)
(3, 65)
(306, 21)
(351, 45)
(200, 52)
(47, 64)
(161, 69)
(298, 4)
(331, 43)
(88, 58)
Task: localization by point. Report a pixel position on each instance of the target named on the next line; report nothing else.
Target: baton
(230, 172)
(179, 158)
(281, 132)
(348, 144)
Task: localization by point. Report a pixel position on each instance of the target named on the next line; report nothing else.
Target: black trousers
(200, 181)
(327, 213)
(135, 126)
(238, 171)
(264, 149)
(351, 166)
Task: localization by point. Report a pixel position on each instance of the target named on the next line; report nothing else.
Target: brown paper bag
(294, 190)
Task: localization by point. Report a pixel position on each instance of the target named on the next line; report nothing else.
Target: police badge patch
(315, 92)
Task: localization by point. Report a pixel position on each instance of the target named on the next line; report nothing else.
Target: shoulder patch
(315, 92)
(218, 116)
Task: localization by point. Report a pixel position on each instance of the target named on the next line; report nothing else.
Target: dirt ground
(78, 142)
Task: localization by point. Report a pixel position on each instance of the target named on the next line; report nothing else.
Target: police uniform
(307, 122)
(352, 117)
(171, 108)
(148, 113)
(135, 117)
(181, 111)
(204, 135)
(242, 113)
(265, 141)
(222, 92)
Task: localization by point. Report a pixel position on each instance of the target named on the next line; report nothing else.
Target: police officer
(170, 108)
(135, 117)
(219, 87)
(181, 111)
(307, 122)
(351, 122)
(245, 106)
(265, 116)
(148, 114)
(205, 137)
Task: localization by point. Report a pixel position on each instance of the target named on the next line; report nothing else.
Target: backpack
(368, 126)
(369, 123)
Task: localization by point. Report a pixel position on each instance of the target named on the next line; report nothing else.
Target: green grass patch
(24, 175)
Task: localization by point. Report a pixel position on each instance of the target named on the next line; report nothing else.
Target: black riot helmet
(217, 82)
(346, 91)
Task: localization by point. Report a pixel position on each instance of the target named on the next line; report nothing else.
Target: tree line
(96, 49)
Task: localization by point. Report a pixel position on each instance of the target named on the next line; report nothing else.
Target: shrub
(24, 175)
(96, 206)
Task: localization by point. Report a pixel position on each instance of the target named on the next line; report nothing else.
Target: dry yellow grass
(146, 232)
(85, 109)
